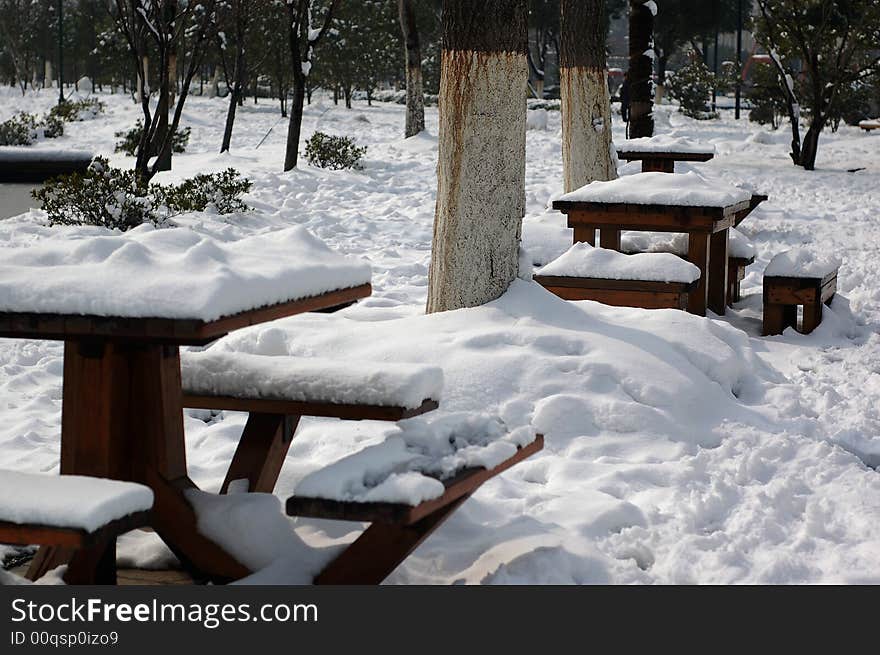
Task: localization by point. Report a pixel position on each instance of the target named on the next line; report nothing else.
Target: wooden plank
(646, 222)
(298, 408)
(609, 238)
(620, 298)
(261, 450)
(622, 285)
(164, 330)
(812, 316)
(635, 155)
(465, 483)
(657, 165)
(25, 534)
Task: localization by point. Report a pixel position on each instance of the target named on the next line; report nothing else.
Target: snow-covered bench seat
(78, 513)
(277, 391)
(647, 280)
(797, 277)
(870, 124)
(27, 164)
(406, 486)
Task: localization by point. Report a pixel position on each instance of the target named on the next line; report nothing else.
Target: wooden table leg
(718, 272)
(664, 165)
(812, 315)
(261, 451)
(585, 234)
(122, 418)
(698, 254)
(609, 238)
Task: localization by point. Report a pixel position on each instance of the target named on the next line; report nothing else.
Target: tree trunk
(586, 106)
(811, 144)
(294, 125)
(641, 105)
(482, 147)
(230, 120)
(660, 91)
(415, 99)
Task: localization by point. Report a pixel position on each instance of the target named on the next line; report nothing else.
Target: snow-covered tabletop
(583, 260)
(681, 190)
(172, 273)
(68, 501)
(309, 379)
(663, 144)
(870, 124)
(799, 263)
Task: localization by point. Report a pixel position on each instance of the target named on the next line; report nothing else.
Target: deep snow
(678, 448)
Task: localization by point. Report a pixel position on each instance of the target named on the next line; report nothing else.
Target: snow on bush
(77, 110)
(24, 129)
(692, 85)
(334, 152)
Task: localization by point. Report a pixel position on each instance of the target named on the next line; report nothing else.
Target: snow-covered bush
(132, 138)
(117, 199)
(692, 85)
(334, 152)
(217, 192)
(79, 110)
(23, 129)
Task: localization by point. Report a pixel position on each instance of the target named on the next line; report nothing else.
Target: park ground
(678, 449)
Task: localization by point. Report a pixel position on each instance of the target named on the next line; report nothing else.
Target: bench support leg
(585, 234)
(609, 238)
(261, 451)
(698, 254)
(777, 317)
(93, 565)
(718, 272)
(812, 316)
(381, 548)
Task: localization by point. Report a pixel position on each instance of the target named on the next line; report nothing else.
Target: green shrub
(117, 199)
(334, 152)
(79, 110)
(766, 97)
(217, 192)
(23, 129)
(132, 138)
(692, 85)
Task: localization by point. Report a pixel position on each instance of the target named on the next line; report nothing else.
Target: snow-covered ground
(678, 449)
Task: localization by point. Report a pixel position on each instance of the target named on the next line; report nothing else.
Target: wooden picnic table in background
(662, 162)
(706, 227)
(122, 414)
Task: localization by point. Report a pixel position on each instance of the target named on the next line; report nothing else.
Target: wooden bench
(869, 125)
(736, 273)
(646, 294)
(646, 280)
(278, 391)
(785, 288)
(78, 514)
(396, 528)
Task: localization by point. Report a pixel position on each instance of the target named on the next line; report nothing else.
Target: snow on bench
(871, 124)
(664, 143)
(309, 379)
(739, 246)
(410, 468)
(646, 280)
(798, 277)
(68, 501)
(584, 260)
(172, 273)
(35, 164)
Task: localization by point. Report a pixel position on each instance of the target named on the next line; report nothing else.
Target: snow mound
(801, 263)
(309, 379)
(169, 273)
(583, 260)
(68, 501)
(687, 189)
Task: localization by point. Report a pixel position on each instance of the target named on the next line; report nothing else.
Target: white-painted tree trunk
(586, 127)
(481, 178)
(47, 75)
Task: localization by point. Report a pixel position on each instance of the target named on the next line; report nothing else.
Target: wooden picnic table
(663, 162)
(122, 414)
(706, 227)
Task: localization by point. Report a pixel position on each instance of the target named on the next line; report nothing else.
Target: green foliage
(79, 110)
(692, 85)
(118, 199)
(217, 192)
(23, 129)
(130, 140)
(334, 152)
